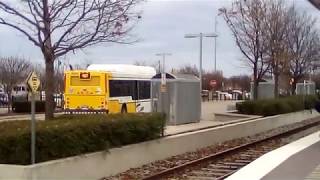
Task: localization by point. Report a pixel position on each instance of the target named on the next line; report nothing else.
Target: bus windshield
(85, 83)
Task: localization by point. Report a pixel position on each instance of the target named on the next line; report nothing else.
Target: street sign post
(33, 83)
(163, 86)
(163, 90)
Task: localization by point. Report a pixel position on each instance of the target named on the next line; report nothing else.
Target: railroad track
(220, 165)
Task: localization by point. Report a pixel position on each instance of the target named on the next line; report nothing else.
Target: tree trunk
(255, 89)
(276, 84)
(49, 59)
(9, 102)
(293, 87)
(255, 82)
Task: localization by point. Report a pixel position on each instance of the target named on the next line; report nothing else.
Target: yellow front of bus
(85, 91)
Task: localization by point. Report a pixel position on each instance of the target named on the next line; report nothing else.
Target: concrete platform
(315, 174)
(295, 161)
(220, 119)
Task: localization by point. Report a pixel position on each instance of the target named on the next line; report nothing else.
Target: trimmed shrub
(71, 135)
(270, 107)
(310, 102)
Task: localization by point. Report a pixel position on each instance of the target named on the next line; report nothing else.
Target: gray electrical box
(265, 90)
(309, 88)
(179, 98)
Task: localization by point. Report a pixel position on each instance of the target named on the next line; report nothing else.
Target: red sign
(84, 75)
(213, 83)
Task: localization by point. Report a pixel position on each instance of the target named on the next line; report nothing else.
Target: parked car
(4, 99)
(20, 93)
(204, 93)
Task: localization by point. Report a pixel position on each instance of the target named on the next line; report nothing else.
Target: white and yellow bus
(109, 87)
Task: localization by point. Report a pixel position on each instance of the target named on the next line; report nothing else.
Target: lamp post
(220, 11)
(215, 43)
(200, 36)
(163, 55)
(163, 88)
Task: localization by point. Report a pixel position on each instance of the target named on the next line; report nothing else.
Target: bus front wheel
(124, 109)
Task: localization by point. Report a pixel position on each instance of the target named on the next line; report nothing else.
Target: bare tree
(62, 26)
(275, 32)
(303, 44)
(13, 70)
(155, 64)
(80, 65)
(188, 69)
(246, 22)
(215, 75)
(140, 63)
(241, 82)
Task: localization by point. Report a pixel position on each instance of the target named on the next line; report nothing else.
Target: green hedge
(71, 135)
(269, 107)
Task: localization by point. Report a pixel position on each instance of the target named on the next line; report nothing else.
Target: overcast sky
(161, 29)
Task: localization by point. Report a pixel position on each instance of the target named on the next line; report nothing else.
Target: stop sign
(213, 83)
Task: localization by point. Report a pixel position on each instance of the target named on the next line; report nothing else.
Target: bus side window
(144, 89)
(120, 88)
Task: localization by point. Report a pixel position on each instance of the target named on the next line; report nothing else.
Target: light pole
(215, 39)
(200, 36)
(163, 88)
(215, 43)
(163, 55)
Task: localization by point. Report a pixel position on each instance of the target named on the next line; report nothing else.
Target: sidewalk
(3, 110)
(213, 114)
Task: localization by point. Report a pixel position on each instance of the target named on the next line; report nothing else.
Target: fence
(4, 100)
(58, 99)
(222, 96)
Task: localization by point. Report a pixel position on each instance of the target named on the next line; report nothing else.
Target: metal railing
(58, 99)
(4, 100)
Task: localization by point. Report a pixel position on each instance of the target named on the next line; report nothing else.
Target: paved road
(208, 110)
(3, 110)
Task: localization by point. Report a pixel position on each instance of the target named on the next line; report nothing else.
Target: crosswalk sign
(33, 82)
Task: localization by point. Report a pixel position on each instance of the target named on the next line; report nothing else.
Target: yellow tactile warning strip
(315, 175)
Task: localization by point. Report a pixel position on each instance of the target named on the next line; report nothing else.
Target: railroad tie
(220, 166)
(200, 178)
(243, 161)
(235, 164)
(213, 170)
(207, 174)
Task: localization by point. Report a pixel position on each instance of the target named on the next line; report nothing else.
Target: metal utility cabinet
(307, 88)
(179, 98)
(265, 90)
